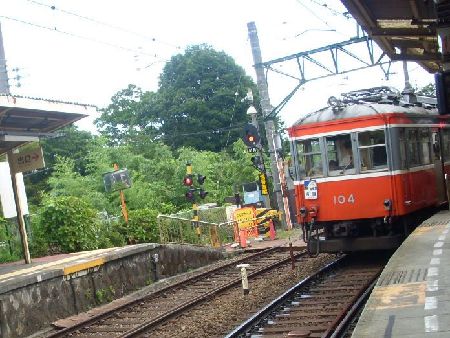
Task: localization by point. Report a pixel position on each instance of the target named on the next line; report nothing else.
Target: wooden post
(122, 200)
(20, 220)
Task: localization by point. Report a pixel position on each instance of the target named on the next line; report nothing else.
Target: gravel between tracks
(226, 311)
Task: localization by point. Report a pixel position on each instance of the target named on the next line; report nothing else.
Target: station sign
(27, 160)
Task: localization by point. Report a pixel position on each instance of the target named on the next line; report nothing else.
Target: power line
(335, 12)
(314, 14)
(79, 16)
(54, 29)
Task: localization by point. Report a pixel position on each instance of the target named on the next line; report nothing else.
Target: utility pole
(4, 89)
(4, 84)
(266, 109)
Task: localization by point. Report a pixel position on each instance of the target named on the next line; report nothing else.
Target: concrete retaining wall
(30, 307)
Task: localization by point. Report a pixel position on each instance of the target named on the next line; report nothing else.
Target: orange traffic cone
(271, 230)
(243, 237)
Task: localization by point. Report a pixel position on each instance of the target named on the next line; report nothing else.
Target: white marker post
(243, 268)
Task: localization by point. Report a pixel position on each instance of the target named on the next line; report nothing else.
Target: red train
(366, 167)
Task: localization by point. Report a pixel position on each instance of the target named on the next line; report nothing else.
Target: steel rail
(342, 327)
(97, 317)
(178, 310)
(260, 315)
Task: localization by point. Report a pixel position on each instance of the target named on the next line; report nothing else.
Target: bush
(142, 226)
(70, 224)
(10, 249)
(38, 243)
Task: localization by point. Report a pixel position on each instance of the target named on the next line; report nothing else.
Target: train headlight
(303, 212)
(387, 204)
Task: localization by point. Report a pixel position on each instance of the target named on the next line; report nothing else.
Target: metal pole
(266, 108)
(20, 221)
(4, 84)
(260, 153)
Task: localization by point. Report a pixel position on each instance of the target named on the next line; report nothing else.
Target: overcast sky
(87, 50)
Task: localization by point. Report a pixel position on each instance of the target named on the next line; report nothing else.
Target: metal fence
(213, 227)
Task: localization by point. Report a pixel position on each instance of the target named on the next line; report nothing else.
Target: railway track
(321, 305)
(139, 316)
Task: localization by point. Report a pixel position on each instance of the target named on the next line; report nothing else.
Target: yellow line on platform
(51, 265)
(83, 266)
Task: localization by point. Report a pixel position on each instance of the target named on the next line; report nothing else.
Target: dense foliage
(70, 224)
(196, 116)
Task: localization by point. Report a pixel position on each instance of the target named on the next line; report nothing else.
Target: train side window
(340, 155)
(310, 158)
(402, 144)
(372, 150)
(425, 146)
(413, 147)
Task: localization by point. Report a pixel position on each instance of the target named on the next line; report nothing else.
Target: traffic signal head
(201, 179)
(251, 136)
(203, 193)
(190, 194)
(258, 163)
(188, 180)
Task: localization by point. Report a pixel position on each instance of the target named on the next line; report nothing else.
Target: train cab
(363, 166)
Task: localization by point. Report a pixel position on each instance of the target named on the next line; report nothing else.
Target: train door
(439, 167)
(403, 165)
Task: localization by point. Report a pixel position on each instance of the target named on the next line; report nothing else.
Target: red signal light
(188, 180)
(251, 136)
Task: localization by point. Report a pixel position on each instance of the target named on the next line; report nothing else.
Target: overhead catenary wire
(332, 10)
(56, 30)
(98, 22)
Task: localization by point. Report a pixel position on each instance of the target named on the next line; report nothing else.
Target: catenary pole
(266, 109)
(4, 84)
(4, 89)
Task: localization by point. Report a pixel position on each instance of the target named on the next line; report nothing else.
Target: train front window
(340, 155)
(310, 158)
(372, 150)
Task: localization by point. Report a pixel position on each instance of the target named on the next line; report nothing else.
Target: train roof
(354, 105)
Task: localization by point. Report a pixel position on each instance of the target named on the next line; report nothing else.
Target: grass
(285, 234)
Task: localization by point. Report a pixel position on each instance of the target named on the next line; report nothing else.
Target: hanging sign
(27, 160)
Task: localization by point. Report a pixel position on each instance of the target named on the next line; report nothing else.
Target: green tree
(428, 90)
(201, 99)
(133, 115)
(74, 144)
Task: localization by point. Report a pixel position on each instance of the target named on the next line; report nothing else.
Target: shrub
(142, 226)
(70, 224)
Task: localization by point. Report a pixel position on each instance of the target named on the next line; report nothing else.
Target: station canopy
(404, 29)
(24, 119)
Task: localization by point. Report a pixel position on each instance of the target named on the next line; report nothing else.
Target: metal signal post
(188, 181)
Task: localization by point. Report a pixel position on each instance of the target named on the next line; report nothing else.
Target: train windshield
(309, 158)
(340, 155)
(372, 150)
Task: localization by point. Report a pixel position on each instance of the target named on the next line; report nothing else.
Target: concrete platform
(33, 296)
(412, 296)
